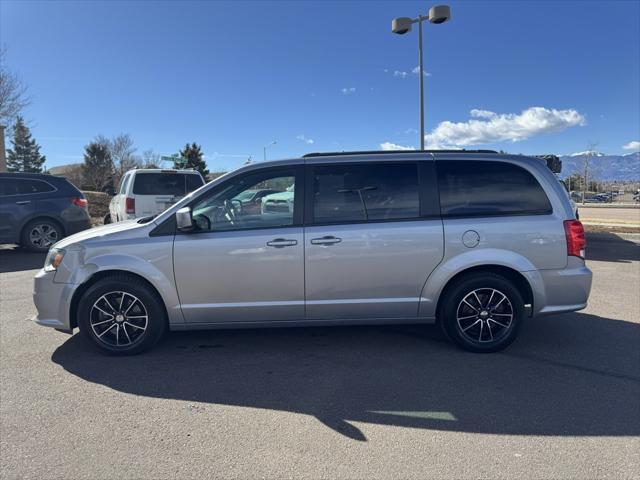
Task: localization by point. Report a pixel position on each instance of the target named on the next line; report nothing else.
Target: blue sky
(233, 76)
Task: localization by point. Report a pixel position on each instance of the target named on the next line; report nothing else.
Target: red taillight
(80, 202)
(576, 242)
(130, 205)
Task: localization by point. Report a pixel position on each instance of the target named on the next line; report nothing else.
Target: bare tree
(591, 146)
(150, 159)
(13, 93)
(122, 155)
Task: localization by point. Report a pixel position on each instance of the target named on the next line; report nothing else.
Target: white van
(150, 191)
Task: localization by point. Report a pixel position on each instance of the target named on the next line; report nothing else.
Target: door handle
(328, 240)
(281, 242)
(23, 202)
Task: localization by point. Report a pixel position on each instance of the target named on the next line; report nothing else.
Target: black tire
(118, 291)
(474, 322)
(40, 234)
(107, 219)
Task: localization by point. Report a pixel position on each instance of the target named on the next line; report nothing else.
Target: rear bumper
(558, 291)
(52, 300)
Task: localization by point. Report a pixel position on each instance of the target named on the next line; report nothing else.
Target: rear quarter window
(487, 188)
(24, 186)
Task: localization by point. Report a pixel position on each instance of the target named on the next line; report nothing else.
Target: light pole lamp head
(401, 25)
(439, 14)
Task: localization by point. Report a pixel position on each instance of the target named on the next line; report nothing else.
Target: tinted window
(232, 206)
(481, 188)
(19, 186)
(365, 192)
(193, 182)
(176, 184)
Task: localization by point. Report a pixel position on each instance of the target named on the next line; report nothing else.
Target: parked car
(37, 210)
(474, 241)
(279, 202)
(147, 192)
(251, 200)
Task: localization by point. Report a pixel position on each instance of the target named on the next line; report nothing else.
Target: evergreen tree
(191, 156)
(25, 154)
(97, 171)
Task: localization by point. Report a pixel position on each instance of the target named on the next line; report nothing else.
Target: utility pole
(3, 158)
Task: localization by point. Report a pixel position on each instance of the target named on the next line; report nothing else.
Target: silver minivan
(472, 240)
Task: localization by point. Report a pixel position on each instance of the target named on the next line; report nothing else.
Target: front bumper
(558, 291)
(52, 300)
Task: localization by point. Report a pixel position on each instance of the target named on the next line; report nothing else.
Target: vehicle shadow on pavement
(609, 247)
(17, 259)
(569, 375)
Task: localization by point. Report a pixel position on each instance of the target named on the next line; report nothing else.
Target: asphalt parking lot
(366, 402)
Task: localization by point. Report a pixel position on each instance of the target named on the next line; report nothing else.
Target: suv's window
(485, 188)
(123, 183)
(233, 207)
(24, 186)
(177, 184)
(365, 192)
(193, 182)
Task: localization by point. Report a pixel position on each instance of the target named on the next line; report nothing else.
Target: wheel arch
(511, 274)
(99, 275)
(35, 217)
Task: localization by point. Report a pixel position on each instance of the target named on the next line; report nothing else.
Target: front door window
(253, 201)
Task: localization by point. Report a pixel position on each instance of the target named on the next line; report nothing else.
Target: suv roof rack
(380, 152)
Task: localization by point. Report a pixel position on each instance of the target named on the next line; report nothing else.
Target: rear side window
(176, 184)
(365, 192)
(482, 188)
(123, 184)
(24, 186)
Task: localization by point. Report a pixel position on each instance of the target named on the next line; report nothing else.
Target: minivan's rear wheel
(482, 312)
(122, 315)
(40, 234)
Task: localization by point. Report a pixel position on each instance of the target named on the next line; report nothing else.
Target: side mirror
(184, 222)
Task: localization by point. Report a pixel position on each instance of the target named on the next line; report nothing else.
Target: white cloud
(304, 139)
(416, 71)
(394, 146)
(399, 73)
(410, 131)
(490, 127)
(477, 113)
(348, 90)
(635, 145)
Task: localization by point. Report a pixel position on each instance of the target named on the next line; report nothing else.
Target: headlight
(54, 259)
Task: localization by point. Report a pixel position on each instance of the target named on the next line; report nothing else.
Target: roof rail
(380, 152)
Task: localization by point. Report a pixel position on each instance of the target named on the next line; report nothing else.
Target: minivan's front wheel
(482, 312)
(121, 315)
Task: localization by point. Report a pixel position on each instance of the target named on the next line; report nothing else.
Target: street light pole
(420, 18)
(401, 25)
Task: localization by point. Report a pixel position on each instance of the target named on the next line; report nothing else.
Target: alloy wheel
(43, 235)
(484, 315)
(118, 319)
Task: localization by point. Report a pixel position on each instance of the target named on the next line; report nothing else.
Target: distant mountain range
(603, 166)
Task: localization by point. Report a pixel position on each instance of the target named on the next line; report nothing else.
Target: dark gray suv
(37, 210)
